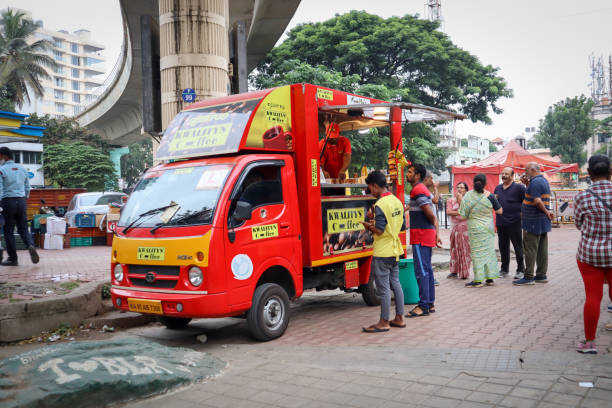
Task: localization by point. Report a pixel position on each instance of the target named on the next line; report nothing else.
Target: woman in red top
(593, 217)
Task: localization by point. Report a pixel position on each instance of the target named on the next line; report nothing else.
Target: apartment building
(81, 69)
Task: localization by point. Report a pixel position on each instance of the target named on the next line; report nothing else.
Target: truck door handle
(284, 225)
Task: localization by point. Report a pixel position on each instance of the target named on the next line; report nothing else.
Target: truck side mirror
(242, 211)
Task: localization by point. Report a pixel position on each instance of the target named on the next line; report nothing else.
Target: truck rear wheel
(174, 322)
(368, 292)
(268, 317)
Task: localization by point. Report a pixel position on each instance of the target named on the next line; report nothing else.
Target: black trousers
(14, 210)
(511, 233)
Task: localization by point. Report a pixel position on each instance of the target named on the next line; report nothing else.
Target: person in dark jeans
(14, 190)
(510, 195)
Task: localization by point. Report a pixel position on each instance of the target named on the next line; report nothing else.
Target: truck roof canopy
(361, 116)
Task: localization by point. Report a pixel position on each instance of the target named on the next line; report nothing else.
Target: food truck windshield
(176, 196)
(205, 131)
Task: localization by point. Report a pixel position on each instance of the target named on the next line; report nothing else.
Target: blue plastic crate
(85, 220)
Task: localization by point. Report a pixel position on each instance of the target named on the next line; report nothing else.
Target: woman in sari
(476, 208)
(460, 259)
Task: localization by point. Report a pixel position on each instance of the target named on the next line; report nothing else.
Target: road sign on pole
(188, 95)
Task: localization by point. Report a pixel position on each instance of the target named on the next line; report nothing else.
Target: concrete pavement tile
(217, 387)
(197, 395)
(495, 388)
(528, 393)
(456, 393)
(409, 397)
(422, 388)
(604, 383)
(267, 397)
(545, 404)
(436, 380)
(472, 404)
(439, 402)
(595, 403)
(518, 402)
(293, 402)
(327, 384)
(601, 394)
(567, 388)
(540, 385)
(395, 404)
(353, 389)
(382, 393)
(237, 379)
(465, 384)
(485, 397)
(309, 392)
(219, 401)
(362, 401)
(305, 381)
(563, 399)
(339, 398)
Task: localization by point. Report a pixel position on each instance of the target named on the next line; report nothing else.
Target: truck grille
(136, 272)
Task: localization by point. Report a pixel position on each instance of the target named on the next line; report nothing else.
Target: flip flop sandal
(412, 314)
(373, 329)
(432, 310)
(401, 326)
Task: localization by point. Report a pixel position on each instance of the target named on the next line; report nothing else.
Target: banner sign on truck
(342, 228)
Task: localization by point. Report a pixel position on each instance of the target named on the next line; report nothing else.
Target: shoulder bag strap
(600, 199)
(472, 207)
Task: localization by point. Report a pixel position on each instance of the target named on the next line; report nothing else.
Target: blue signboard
(188, 95)
(30, 175)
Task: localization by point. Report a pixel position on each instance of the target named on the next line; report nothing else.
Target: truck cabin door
(269, 232)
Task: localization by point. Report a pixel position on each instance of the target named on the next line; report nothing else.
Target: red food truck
(237, 221)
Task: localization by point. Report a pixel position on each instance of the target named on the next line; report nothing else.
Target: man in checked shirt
(593, 217)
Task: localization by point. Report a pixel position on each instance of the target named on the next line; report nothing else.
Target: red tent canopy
(512, 155)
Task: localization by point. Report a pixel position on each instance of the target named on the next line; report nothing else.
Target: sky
(542, 47)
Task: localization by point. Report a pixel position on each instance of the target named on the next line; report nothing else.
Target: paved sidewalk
(79, 263)
(494, 346)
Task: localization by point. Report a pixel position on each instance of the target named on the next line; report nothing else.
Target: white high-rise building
(81, 69)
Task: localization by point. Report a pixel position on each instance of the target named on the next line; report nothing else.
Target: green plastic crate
(81, 241)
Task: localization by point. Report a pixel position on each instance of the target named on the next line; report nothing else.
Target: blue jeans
(424, 276)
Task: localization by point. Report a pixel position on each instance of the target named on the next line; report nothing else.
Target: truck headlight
(195, 276)
(118, 272)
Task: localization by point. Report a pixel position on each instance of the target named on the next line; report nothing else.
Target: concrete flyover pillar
(194, 51)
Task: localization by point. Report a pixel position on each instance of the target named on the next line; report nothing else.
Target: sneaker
(474, 285)
(540, 279)
(436, 283)
(452, 276)
(519, 275)
(33, 254)
(503, 274)
(587, 347)
(609, 326)
(523, 281)
(489, 282)
(610, 308)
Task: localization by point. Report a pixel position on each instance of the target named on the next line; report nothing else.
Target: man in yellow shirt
(388, 222)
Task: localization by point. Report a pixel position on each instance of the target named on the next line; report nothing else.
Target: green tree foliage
(394, 59)
(63, 130)
(136, 161)
(22, 61)
(76, 164)
(463, 142)
(492, 148)
(566, 128)
(404, 53)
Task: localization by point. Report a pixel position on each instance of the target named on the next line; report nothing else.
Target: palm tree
(22, 61)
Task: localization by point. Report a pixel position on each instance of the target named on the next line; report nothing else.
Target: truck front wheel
(269, 314)
(174, 322)
(368, 292)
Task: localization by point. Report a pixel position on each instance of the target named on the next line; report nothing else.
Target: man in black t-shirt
(510, 195)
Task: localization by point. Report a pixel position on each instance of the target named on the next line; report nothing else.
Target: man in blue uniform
(14, 190)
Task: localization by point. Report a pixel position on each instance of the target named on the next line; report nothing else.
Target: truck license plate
(145, 306)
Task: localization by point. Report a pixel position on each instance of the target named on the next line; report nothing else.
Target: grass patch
(69, 285)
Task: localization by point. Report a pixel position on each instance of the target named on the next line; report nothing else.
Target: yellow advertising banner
(205, 136)
(271, 124)
(345, 219)
(351, 265)
(264, 231)
(315, 172)
(325, 94)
